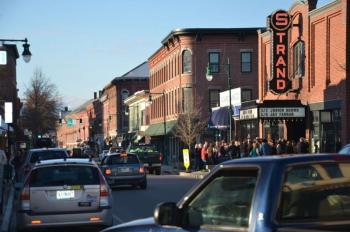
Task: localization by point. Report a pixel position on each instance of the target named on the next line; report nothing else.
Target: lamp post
(164, 119)
(209, 77)
(26, 54)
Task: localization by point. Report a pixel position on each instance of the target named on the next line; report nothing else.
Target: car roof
(48, 149)
(65, 161)
(289, 159)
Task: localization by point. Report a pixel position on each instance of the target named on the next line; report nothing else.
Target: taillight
(108, 171)
(161, 157)
(104, 201)
(25, 195)
(142, 169)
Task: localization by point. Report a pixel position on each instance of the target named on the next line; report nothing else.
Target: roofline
(120, 78)
(13, 47)
(207, 31)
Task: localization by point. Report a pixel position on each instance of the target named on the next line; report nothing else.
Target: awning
(219, 118)
(3, 126)
(158, 129)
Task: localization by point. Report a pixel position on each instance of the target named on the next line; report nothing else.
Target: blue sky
(81, 45)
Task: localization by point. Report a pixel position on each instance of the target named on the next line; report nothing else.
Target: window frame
(299, 54)
(183, 61)
(184, 203)
(250, 61)
(211, 64)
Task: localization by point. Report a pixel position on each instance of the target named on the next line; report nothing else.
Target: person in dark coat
(265, 148)
(302, 147)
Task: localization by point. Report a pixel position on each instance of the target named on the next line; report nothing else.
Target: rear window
(47, 155)
(64, 175)
(318, 192)
(143, 149)
(117, 159)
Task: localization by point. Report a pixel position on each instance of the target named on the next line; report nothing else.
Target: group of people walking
(210, 153)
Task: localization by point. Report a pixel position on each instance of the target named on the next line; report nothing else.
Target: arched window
(186, 61)
(124, 93)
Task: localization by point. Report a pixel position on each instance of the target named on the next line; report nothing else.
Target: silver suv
(65, 192)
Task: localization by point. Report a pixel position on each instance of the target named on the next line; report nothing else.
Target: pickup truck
(263, 194)
(148, 155)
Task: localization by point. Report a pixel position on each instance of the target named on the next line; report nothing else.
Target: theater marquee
(280, 22)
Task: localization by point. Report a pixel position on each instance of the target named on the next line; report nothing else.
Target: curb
(197, 175)
(5, 226)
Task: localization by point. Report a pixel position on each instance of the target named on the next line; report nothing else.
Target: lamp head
(26, 54)
(208, 73)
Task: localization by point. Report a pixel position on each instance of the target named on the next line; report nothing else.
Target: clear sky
(81, 45)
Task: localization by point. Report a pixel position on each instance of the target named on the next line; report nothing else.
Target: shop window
(186, 61)
(214, 61)
(298, 59)
(326, 116)
(246, 95)
(214, 98)
(246, 62)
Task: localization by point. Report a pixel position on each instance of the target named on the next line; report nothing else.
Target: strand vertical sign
(280, 22)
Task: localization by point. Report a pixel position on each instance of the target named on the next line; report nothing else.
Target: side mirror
(166, 214)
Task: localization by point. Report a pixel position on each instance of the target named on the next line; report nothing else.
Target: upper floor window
(246, 62)
(298, 59)
(246, 95)
(186, 61)
(214, 98)
(214, 61)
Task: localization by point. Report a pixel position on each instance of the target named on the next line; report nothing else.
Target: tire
(143, 185)
(158, 171)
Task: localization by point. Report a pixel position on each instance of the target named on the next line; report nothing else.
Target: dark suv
(149, 156)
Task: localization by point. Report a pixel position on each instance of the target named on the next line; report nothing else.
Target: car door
(64, 188)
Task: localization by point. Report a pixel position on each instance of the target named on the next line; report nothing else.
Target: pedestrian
(255, 150)
(302, 146)
(289, 147)
(197, 156)
(265, 149)
(210, 154)
(204, 154)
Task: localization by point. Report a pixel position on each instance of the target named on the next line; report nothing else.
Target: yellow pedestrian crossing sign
(186, 156)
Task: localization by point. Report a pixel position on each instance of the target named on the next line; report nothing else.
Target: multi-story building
(114, 121)
(304, 84)
(178, 76)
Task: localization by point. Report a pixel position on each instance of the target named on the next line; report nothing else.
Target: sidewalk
(169, 170)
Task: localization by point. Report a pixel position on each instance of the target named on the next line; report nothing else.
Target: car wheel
(157, 171)
(143, 185)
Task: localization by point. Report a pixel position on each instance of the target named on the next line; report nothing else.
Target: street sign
(70, 122)
(8, 112)
(186, 156)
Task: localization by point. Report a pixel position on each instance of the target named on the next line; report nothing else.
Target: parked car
(263, 194)
(65, 192)
(124, 169)
(40, 154)
(345, 150)
(149, 156)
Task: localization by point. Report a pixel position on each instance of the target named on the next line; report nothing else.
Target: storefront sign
(248, 114)
(3, 58)
(282, 112)
(280, 22)
(8, 112)
(235, 97)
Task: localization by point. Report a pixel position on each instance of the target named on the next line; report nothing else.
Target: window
(214, 98)
(225, 202)
(124, 93)
(246, 95)
(186, 61)
(122, 159)
(214, 61)
(317, 191)
(298, 59)
(246, 62)
(187, 99)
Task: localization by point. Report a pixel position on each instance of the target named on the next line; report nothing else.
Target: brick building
(178, 81)
(8, 90)
(312, 100)
(114, 121)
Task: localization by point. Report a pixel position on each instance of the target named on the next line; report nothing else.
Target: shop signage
(280, 22)
(8, 112)
(248, 114)
(235, 97)
(3, 58)
(282, 112)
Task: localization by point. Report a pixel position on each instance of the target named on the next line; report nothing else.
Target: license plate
(124, 170)
(66, 194)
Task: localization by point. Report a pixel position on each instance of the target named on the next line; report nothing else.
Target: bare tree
(190, 125)
(41, 108)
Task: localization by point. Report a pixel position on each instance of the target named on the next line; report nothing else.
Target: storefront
(249, 120)
(283, 119)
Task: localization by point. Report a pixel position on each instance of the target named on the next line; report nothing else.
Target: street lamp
(209, 76)
(26, 54)
(164, 119)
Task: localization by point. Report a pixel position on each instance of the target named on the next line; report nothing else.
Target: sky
(81, 45)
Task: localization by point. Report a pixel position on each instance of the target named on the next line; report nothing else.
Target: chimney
(95, 95)
(100, 93)
(312, 4)
(66, 108)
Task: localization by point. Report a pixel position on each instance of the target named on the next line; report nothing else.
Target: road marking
(117, 219)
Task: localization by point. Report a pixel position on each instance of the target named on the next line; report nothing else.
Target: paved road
(131, 204)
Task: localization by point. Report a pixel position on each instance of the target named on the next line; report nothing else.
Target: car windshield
(142, 149)
(47, 155)
(64, 175)
(122, 159)
(316, 192)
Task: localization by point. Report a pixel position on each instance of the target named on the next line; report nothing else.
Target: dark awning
(158, 129)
